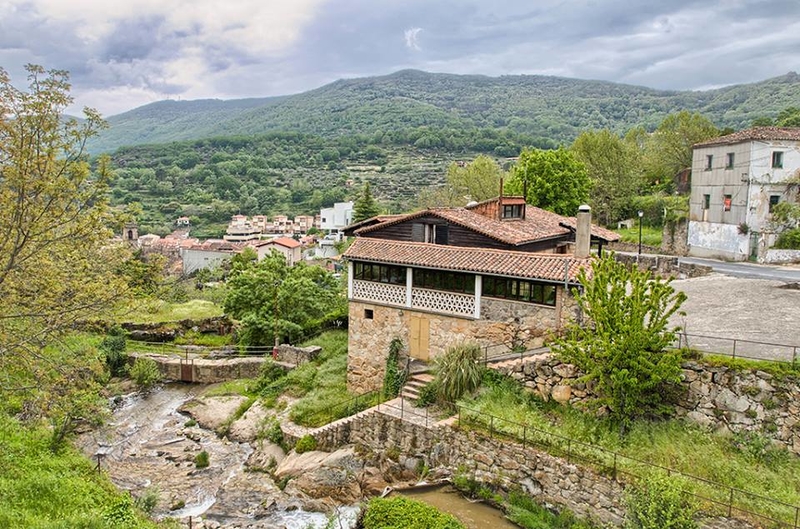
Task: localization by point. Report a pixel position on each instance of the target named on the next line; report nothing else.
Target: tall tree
(365, 206)
(56, 263)
(478, 180)
(624, 345)
(556, 180)
(273, 300)
(613, 167)
(669, 150)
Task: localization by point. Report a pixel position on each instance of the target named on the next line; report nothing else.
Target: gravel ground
(730, 308)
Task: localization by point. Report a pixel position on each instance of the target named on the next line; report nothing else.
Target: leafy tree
(272, 300)
(669, 150)
(557, 180)
(613, 167)
(145, 373)
(788, 117)
(624, 345)
(57, 266)
(478, 180)
(365, 206)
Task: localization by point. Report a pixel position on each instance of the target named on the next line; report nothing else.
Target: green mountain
(536, 106)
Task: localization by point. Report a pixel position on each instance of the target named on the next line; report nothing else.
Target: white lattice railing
(447, 302)
(379, 292)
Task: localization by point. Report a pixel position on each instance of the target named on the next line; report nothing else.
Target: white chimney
(583, 233)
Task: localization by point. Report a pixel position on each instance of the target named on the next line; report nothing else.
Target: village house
(736, 182)
(290, 248)
(240, 229)
(497, 273)
(208, 254)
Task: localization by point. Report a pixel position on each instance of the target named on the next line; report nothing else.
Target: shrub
(789, 240)
(458, 371)
(307, 443)
(145, 373)
(113, 347)
(201, 460)
(394, 377)
(658, 503)
(147, 501)
(403, 512)
(427, 394)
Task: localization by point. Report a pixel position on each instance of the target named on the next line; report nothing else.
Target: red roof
(528, 265)
(287, 242)
(539, 224)
(755, 134)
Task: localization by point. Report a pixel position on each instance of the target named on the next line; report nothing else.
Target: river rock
(266, 456)
(246, 428)
(212, 412)
(335, 475)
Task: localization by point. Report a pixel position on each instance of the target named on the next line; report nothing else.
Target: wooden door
(420, 338)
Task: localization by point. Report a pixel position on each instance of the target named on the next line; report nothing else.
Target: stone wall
(204, 371)
(777, 256)
(674, 238)
(664, 265)
(716, 397)
(297, 355)
(501, 322)
(509, 465)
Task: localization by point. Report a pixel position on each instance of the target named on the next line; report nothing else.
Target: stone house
(736, 181)
(497, 273)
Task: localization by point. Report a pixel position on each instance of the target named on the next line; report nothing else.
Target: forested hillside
(538, 106)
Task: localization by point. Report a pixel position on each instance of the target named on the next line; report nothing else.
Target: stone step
(409, 393)
(416, 384)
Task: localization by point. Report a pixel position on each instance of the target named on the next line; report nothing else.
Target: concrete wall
(194, 260)
(717, 397)
(368, 340)
(717, 240)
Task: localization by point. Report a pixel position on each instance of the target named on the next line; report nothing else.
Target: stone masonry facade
(501, 322)
(714, 396)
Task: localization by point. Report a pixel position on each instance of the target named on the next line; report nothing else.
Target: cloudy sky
(126, 53)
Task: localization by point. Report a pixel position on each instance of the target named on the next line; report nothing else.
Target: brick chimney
(583, 233)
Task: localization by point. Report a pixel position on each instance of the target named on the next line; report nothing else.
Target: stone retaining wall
(664, 265)
(716, 397)
(508, 465)
(205, 371)
(777, 256)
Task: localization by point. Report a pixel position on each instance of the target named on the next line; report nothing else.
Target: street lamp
(641, 214)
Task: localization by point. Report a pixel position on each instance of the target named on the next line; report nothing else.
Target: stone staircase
(414, 385)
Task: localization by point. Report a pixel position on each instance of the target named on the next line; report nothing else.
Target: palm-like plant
(458, 371)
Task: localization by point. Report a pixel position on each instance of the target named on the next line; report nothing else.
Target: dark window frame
(774, 200)
(709, 162)
(706, 201)
(512, 211)
(444, 280)
(523, 290)
(777, 159)
(729, 160)
(379, 273)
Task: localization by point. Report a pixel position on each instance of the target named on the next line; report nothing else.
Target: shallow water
(472, 515)
(147, 445)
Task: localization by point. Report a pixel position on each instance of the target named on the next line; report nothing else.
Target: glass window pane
(549, 295)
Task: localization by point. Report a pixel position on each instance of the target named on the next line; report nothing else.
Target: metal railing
(728, 500)
(346, 408)
(739, 348)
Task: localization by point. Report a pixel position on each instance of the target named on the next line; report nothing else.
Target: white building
(736, 181)
(338, 217)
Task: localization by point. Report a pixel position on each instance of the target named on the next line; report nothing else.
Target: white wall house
(336, 218)
(736, 181)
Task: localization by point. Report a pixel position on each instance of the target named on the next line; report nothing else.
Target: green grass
(320, 386)
(43, 490)
(157, 311)
(239, 386)
(204, 339)
(397, 511)
(775, 368)
(650, 236)
(746, 462)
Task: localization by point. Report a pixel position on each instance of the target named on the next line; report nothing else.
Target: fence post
(491, 426)
(730, 504)
(734, 347)
(615, 465)
(569, 450)
(794, 356)
(524, 435)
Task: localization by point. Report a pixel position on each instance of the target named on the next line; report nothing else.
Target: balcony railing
(421, 298)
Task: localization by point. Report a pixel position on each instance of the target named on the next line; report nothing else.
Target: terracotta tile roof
(756, 133)
(538, 224)
(287, 242)
(528, 265)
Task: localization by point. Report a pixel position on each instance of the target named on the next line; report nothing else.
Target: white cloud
(411, 35)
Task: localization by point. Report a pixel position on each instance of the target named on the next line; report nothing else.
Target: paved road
(787, 274)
